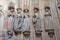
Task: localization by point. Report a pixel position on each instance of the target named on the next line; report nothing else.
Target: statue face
(12, 10)
(19, 12)
(47, 9)
(26, 12)
(36, 10)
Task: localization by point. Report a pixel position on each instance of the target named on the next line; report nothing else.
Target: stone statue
(36, 19)
(10, 21)
(48, 19)
(18, 20)
(26, 23)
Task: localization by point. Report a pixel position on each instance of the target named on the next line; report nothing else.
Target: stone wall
(47, 12)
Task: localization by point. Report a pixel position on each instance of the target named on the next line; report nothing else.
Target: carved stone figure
(36, 19)
(18, 20)
(26, 23)
(48, 19)
(10, 20)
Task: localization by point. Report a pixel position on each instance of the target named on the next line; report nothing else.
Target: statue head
(19, 10)
(47, 9)
(11, 9)
(26, 11)
(36, 10)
